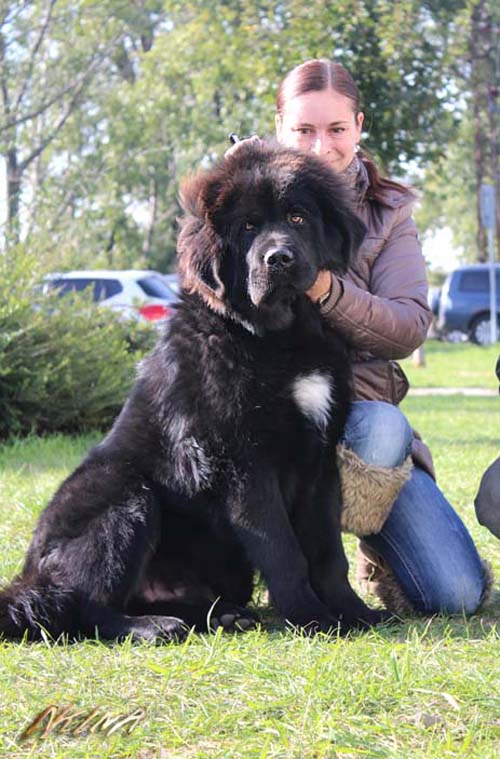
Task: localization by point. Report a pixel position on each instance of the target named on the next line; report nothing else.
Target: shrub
(65, 364)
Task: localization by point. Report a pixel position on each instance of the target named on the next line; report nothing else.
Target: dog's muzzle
(279, 259)
(278, 270)
(273, 275)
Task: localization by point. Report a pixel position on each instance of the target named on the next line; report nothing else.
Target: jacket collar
(356, 176)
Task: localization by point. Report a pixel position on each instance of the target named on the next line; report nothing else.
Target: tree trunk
(490, 30)
(479, 160)
(418, 357)
(494, 140)
(485, 80)
(477, 84)
(14, 176)
(152, 218)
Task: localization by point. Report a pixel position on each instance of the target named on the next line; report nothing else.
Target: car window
(476, 281)
(155, 287)
(172, 281)
(102, 288)
(67, 285)
(106, 288)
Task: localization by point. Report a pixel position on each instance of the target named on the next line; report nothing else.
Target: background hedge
(65, 364)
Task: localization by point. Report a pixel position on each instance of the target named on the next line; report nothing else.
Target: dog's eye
(249, 227)
(296, 218)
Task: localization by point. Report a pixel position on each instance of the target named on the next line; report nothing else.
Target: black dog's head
(258, 228)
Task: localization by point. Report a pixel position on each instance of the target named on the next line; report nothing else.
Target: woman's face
(321, 122)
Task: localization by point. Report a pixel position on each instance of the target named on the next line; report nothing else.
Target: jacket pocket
(379, 380)
(400, 384)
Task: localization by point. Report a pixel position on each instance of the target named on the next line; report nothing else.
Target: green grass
(428, 688)
(454, 365)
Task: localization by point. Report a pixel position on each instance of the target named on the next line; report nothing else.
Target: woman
(417, 556)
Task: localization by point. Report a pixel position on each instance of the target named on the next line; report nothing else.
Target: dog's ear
(344, 233)
(199, 246)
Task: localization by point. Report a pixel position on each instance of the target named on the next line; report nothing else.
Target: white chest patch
(313, 394)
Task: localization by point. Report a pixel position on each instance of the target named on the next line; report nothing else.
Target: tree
(52, 53)
(452, 185)
(218, 68)
(484, 60)
(150, 90)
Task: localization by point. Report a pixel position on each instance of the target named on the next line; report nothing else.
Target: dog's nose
(278, 258)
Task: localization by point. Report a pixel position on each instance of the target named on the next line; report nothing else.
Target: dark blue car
(464, 303)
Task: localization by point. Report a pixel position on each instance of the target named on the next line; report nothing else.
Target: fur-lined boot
(368, 491)
(376, 578)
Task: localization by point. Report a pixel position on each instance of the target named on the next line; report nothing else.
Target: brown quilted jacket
(380, 305)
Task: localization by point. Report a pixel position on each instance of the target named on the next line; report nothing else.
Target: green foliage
(471, 157)
(162, 83)
(449, 193)
(436, 277)
(65, 364)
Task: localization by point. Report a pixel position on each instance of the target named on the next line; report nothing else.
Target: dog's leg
(317, 524)
(198, 574)
(154, 625)
(260, 521)
(86, 557)
(33, 606)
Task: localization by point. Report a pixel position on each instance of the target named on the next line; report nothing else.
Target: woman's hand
(322, 287)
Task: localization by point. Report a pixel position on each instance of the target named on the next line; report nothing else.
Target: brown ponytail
(378, 184)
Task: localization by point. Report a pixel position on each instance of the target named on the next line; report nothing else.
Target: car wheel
(479, 331)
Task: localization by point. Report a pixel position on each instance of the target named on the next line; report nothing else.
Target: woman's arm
(391, 320)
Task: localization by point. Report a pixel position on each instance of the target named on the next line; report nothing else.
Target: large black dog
(222, 461)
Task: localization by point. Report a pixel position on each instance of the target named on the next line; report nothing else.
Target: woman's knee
(460, 594)
(378, 433)
(430, 551)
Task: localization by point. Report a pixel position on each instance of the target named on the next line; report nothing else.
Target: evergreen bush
(65, 364)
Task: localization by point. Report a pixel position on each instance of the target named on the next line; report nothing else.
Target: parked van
(464, 303)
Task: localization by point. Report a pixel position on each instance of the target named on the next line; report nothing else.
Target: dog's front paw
(232, 618)
(314, 623)
(157, 629)
(373, 617)
(363, 618)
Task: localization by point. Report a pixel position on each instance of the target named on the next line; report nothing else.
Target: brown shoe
(376, 577)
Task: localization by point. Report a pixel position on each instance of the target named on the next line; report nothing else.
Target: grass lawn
(427, 688)
(454, 365)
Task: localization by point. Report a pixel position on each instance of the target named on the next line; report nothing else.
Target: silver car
(145, 295)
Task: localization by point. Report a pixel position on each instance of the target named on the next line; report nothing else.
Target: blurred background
(105, 105)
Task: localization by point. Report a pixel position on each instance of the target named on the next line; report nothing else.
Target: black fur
(222, 460)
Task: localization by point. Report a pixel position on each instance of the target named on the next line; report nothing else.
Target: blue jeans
(423, 540)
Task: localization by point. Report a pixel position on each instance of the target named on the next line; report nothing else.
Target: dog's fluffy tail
(33, 610)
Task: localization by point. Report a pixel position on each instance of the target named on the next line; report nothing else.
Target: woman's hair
(321, 74)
